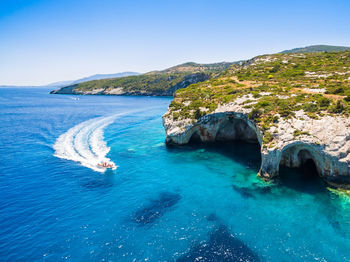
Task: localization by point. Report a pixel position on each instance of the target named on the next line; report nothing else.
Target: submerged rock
(156, 208)
(212, 217)
(222, 246)
(243, 191)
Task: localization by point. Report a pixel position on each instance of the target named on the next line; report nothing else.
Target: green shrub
(337, 108)
(254, 114)
(267, 138)
(312, 115)
(256, 94)
(323, 102)
(285, 112)
(297, 132)
(263, 103)
(338, 90)
(198, 114)
(310, 107)
(275, 68)
(335, 90)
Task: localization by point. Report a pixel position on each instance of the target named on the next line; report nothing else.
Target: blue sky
(43, 41)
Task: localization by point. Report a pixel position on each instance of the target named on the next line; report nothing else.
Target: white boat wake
(84, 143)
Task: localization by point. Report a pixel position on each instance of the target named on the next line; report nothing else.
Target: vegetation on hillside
(142, 83)
(164, 82)
(274, 86)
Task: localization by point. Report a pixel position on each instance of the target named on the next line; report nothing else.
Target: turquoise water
(162, 203)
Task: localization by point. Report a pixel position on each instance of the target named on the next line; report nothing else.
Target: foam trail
(84, 143)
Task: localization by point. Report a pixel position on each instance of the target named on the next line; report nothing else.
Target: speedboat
(107, 165)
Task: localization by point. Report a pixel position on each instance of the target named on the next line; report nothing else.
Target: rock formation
(326, 141)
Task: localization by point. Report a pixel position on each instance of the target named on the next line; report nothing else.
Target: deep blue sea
(191, 203)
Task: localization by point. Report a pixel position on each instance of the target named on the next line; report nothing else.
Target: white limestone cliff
(325, 140)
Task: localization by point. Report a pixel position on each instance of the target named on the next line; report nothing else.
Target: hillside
(160, 83)
(317, 48)
(317, 82)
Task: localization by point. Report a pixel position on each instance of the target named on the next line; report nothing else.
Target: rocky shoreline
(325, 141)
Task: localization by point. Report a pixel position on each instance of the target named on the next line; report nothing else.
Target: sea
(162, 203)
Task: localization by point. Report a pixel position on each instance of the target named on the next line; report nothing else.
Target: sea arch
(226, 126)
(298, 153)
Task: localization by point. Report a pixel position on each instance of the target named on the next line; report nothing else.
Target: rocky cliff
(293, 115)
(326, 141)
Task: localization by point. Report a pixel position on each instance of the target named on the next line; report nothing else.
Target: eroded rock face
(326, 141)
(213, 127)
(333, 169)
